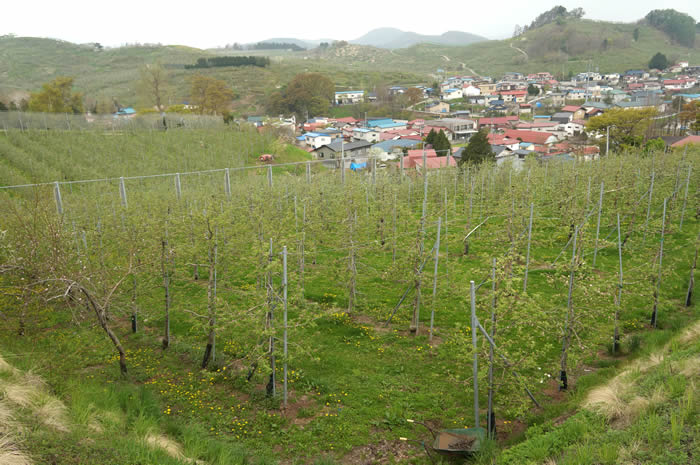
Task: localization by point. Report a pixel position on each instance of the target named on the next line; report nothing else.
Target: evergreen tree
(430, 138)
(658, 61)
(441, 144)
(478, 150)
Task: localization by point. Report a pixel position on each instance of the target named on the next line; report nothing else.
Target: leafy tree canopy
(57, 96)
(627, 127)
(307, 92)
(658, 61)
(441, 144)
(679, 26)
(210, 95)
(478, 150)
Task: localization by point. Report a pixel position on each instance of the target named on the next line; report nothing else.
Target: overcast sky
(209, 23)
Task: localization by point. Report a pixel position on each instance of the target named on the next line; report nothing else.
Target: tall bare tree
(154, 84)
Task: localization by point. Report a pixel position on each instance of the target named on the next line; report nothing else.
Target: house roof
(350, 92)
(534, 137)
(683, 141)
(348, 119)
(387, 145)
(537, 124)
(339, 146)
(571, 108)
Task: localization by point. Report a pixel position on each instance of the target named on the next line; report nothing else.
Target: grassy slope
(26, 63)
(646, 413)
(387, 375)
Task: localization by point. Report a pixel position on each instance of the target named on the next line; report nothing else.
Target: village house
(386, 124)
(462, 129)
(366, 134)
(349, 150)
(517, 96)
(348, 97)
(414, 160)
(392, 149)
(498, 122)
(531, 137)
(452, 94)
(437, 107)
(315, 139)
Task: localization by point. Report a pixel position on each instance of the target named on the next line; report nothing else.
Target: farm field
(117, 291)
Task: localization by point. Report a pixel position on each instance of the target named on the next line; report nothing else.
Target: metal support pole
(308, 172)
(655, 315)
(685, 198)
(597, 229)
(227, 183)
(284, 296)
(435, 275)
(490, 417)
(122, 192)
(342, 162)
(178, 187)
(616, 335)
(527, 257)
(651, 193)
(269, 175)
(472, 293)
(57, 196)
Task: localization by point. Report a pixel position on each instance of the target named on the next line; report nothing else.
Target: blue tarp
(358, 166)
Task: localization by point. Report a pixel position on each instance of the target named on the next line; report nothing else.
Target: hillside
(646, 413)
(26, 63)
(570, 47)
(392, 38)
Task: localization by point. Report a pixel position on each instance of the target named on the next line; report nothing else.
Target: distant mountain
(392, 38)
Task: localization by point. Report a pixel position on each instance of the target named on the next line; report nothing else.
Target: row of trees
(208, 95)
(308, 94)
(679, 26)
(557, 14)
(234, 61)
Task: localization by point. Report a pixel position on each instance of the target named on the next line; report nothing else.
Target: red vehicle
(266, 157)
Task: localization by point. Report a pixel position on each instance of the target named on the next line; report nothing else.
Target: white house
(573, 127)
(349, 97)
(470, 91)
(452, 94)
(316, 140)
(369, 135)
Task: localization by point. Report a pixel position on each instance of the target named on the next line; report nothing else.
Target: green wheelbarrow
(454, 442)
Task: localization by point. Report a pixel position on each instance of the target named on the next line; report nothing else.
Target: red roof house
(533, 137)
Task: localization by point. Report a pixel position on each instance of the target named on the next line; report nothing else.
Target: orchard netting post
(685, 197)
(597, 229)
(284, 302)
(616, 335)
(657, 288)
(490, 415)
(435, 277)
(57, 196)
(178, 186)
(568, 331)
(527, 257)
(475, 362)
(122, 192)
(227, 183)
(691, 281)
(651, 193)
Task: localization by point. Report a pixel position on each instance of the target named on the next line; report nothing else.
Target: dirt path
(520, 50)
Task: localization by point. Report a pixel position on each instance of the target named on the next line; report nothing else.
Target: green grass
(26, 63)
(352, 381)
